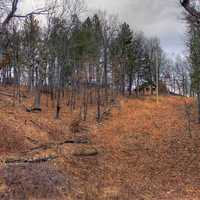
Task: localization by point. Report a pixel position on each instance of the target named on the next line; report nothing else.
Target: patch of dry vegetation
(141, 151)
(11, 140)
(33, 181)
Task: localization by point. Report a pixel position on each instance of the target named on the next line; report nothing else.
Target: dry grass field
(142, 151)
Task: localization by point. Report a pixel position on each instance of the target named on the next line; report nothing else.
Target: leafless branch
(42, 11)
(12, 10)
(10, 14)
(190, 9)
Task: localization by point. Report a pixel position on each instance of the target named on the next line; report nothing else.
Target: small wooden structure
(146, 89)
(149, 88)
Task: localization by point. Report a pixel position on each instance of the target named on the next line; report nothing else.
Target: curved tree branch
(10, 14)
(13, 10)
(190, 9)
(42, 11)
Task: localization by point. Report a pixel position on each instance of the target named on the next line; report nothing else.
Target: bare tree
(10, 9)
(109, 29)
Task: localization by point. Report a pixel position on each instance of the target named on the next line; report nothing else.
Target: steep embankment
(142, 151)
(148, 152)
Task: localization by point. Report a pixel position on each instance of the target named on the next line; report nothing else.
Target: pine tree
(125, 52)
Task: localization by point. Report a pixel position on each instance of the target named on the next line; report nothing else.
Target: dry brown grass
(144, 153)
(11, 140)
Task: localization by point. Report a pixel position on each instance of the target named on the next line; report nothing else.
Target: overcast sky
(161, 18)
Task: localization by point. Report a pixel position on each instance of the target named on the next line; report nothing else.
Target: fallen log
(32, 140)
(76, 141)
(53, 145)
(43, 147)
(35, 110)
(85, 152)
(25, 161)
(6, 94)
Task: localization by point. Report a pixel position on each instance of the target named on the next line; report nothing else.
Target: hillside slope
(141, 151)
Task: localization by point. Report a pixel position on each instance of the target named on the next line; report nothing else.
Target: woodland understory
(91, 109)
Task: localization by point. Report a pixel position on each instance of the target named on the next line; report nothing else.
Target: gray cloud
(154, 17)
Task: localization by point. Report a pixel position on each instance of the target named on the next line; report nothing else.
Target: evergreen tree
(125, 48)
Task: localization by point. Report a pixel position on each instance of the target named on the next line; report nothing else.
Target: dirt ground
(142, 151)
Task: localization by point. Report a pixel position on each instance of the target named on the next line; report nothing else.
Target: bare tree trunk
(58, 88)
(37, 101)
(57, 104)
(106, 73)
(98, 103)
(198, 102)
(85, 103)
(130, 84)
(98, 94)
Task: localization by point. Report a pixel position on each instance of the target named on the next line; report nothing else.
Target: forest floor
(142, 151)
